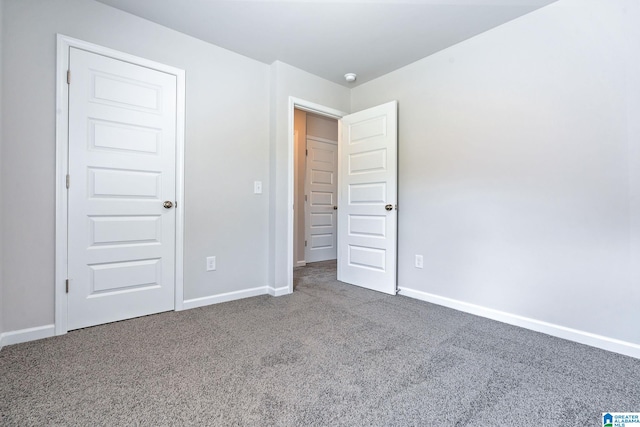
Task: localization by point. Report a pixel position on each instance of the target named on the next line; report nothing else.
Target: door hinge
(175, 205)
(68, 77)
(68, 180)
(305, 197)
(306, 152)
(305, 243)
(66, 285)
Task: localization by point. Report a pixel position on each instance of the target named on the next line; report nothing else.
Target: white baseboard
(582, 337)
(229, 296)
(300, 263)
(24, 335)
(31, 334)
(277, 292)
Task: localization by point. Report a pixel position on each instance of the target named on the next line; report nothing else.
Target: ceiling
(331, 38)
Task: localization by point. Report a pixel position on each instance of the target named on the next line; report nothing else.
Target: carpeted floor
(330, 354)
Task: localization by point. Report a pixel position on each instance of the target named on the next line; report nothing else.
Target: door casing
(64, 43)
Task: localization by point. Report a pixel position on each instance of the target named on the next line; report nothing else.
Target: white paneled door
(321, 191)
(122, 165)
(367, 214)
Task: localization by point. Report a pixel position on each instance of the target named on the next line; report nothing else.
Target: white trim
(301, 263)
(312, 107)
(24, 335)
(338, 248)
(582, 337)
(64, 43)
(180, 206)
(229, 296)
(277, 292)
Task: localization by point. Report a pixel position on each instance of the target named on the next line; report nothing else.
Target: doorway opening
(315, 188)
(323, 119)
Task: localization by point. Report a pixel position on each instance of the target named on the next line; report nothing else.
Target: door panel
(122, 142)
(368, 184)
(321, 190)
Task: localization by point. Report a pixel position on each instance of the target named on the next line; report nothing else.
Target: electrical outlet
(211, 263)
(257, 187)
(419, 261)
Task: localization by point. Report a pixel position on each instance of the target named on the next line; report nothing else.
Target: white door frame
(311, 107)
(64, 43)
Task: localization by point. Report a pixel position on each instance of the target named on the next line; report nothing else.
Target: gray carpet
(330, 354)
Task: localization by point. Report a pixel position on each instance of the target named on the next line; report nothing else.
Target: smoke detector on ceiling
(350, 77)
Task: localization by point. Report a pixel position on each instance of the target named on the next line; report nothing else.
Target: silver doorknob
(389, 207)
(168, 204)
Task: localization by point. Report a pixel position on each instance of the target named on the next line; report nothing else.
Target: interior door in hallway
(367, 214)
(322, 189)
(122, 166)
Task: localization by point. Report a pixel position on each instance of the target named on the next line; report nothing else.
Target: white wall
(322, 127)
(519, 168)
(223, 155)
(289, 81)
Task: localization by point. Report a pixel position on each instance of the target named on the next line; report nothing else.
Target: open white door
(367, 207)
(122, 168)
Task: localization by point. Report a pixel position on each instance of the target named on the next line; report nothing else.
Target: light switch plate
(257, 187)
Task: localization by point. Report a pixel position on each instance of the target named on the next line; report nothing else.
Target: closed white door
(122, 163)
(367, 214)
(321, 191)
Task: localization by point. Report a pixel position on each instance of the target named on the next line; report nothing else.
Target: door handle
(389, 207)
(168, 204)
(335, 208)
